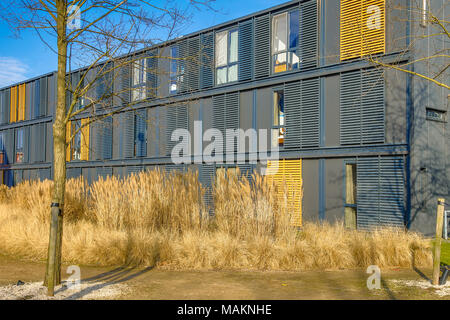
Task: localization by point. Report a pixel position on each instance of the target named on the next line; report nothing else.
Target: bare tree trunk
(53, 274)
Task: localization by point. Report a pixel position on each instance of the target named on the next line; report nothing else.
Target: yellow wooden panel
(363, 28)
(13, 105)
(287, 175)
(84, 140)
(68, 144)
(21, 102)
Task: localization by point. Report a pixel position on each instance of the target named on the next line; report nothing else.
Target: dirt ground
(142, 284)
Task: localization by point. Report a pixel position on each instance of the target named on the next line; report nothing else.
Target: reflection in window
(19, 146)
(278, 125)
(226, 56)
(139, 80)
(285, 43)
(176, 69)
(76, 146)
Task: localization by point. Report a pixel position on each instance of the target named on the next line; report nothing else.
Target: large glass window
(350, 196)
(226, 56)
(139, 80)
(19, 146)
(176, 69)
(76, 146)
(278, 125)
(285, 41)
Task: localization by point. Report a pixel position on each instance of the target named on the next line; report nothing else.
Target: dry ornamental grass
(159, 219)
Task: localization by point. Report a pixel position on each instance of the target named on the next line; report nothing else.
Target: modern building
(357, 143)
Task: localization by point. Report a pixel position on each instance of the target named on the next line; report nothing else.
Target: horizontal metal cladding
(207, 60)
(262, 46)
(302, 108)
(226, 116)
(362, 100)
(309, 34)
(177, 117)
(381, 192)
(246, 36)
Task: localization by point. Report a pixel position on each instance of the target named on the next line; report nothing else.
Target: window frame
(288, 51)
(177, 77)
(229, 64)
(350, 162)
(19, 152)
(278, 127)
(136, 135)
(76, 125)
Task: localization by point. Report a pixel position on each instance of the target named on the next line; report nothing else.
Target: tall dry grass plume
(159, 219)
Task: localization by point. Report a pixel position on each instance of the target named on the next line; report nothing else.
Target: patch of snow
(441, 291)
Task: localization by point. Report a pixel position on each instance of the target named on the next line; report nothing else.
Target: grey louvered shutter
(381, 192)
(245, 50)
(310, 113)
(73, 173)
(392, 191)
(134, 170)
(3, 107)
(171, 126)
(26, 144)
(309, 34)
(103, 172)
(37, 99)
(193, 66)
(41, 141)
(45, 174)
(219, 113)
(207, 60)
(372, 107)
(125, 83)
(292, 108)
(128, 134)
(350, 100)
(152, 74)
(107, 138)
(10, 154)
(232, 116)
(141, 133)
(43, 86)
(183, 63)
(6, 105)
(262, 46)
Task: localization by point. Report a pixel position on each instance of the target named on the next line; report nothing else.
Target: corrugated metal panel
(134, 169)
(262, 46)
(381, 192)
(292, 108)
(141, 133)
(45, 174)
(104, 172)
(362, 107)
(310, 113)
(219, 113)
(102, 131)
(207, 69)
(43, 86)
(207, 178)
(152, 74)
(125, 84)
(128, 134)
(107, 135)
(360, 34)
(372, 107)
(245, 50)
(287, 175)
(309, 34)
(232, 116)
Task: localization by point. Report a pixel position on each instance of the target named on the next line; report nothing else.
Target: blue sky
(27, 57)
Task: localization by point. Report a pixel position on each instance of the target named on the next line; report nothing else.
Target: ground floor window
(350, 196)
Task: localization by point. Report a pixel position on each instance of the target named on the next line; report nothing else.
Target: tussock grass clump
(159, 219)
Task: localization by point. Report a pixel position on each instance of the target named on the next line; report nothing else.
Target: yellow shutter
(13, 105)
(288, 174)
(21, 99)
(68, 134)
(362, 28)
(85, 140)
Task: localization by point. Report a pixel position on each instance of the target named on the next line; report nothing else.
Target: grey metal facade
(336, 112)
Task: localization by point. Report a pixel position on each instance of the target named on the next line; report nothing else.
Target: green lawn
(445, 251)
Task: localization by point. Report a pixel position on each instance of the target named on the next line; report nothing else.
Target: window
(139, 80)
(226, 56)
(286, 27)
(19, 146)
(278, 125)
(76, 145)
(176, 69)
(140, 134)
(350, 196)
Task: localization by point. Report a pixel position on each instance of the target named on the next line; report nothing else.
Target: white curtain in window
(280, 32)
(234, 46)
(233, 73)
(221, 75)
(221, 48)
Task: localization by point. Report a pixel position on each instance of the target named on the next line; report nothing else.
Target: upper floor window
(226, 56)
(19, 146)
(278, 125)
(2, 148)
(176, 69)
(139, 80)
(285, 41)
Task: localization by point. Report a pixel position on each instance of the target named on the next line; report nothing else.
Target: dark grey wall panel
(334, 194)
(331, 33)
(73, 173)
(332, 111)
(310, 170)
(396, 104)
